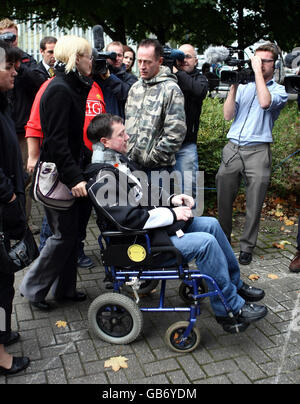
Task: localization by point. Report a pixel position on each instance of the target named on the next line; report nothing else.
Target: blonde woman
(62, 112)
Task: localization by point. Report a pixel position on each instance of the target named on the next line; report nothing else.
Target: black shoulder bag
(20, 255)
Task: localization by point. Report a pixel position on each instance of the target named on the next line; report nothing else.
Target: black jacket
(40, 74)
(22, 95)
(62, 112)
(116, 88)
(194, 87)
(11, 175)
(132, 215)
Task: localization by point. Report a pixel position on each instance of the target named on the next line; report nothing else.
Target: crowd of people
(63, 110)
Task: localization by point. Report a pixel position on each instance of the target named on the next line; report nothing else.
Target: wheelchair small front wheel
(175, 332)
(115, 318)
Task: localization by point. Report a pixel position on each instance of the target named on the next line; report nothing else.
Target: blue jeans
(187, 162)
(206, 242)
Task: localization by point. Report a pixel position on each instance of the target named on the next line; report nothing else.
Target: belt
(260, 146)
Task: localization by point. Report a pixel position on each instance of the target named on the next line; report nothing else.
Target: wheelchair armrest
(124, 233)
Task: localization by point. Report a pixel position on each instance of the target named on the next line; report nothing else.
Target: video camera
(8, 37)
(292, 84)
(171, 55)
(100, 58)
(243, 73)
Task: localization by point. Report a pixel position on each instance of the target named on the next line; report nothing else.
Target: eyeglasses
(189, 57)
(267, 60)
(88, 56)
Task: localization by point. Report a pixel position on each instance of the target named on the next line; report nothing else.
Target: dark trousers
(7, 293)
(253, 164)
(56, 266)
(85, 209)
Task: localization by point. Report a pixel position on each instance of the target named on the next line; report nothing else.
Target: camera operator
(194, 86)
(116, 82)
(254, 107)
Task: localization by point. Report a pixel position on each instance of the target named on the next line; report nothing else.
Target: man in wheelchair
(170, 222)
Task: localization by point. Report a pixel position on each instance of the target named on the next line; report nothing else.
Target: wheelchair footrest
(235, 328)
(231, 325)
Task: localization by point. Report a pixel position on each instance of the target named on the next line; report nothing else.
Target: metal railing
(30, 36)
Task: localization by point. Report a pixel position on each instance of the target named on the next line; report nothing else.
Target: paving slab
(268, 352)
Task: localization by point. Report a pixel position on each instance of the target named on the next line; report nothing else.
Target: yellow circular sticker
(136, 253)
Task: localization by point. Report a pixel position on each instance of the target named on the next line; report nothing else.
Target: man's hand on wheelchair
(183, 200)
(183, 213)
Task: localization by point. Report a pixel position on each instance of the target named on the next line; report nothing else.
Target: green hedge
(286, 133)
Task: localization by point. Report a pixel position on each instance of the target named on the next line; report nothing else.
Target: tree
(200, 22)
(180, 20)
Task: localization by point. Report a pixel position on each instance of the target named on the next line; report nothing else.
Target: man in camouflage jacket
(155, 117)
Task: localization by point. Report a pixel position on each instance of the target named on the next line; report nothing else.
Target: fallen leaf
(289, 222)
(116, 363)
(60, 324)
(284, 242)
(282, 228)
(253, 277)
(273, 276)
(278, 245)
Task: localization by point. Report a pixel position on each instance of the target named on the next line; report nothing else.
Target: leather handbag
(49, 190)
(20, 255)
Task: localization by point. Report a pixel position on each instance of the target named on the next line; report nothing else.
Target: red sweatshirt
(95, 105)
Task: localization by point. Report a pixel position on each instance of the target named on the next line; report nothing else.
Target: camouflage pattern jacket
(155, 120)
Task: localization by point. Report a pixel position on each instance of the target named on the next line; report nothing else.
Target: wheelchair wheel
(115, 318)
(146, 287)
(174, 333)
(186, 291)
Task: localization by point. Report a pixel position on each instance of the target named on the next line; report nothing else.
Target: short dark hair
(101, 126)
(45, 40)
(12, 54)
(158, 48)
(269, 47)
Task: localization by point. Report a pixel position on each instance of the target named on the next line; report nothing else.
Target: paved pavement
(268, 352)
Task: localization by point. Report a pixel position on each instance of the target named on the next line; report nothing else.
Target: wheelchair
(132, 264)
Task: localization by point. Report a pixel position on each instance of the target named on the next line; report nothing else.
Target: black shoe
(251, 294)
(245, 258)
(13, 337)
(84, 262)
(250, 313)
(18, 364)
(42, 305)
(247, 314)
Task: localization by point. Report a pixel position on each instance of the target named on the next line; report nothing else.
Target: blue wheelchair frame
(190, 277)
